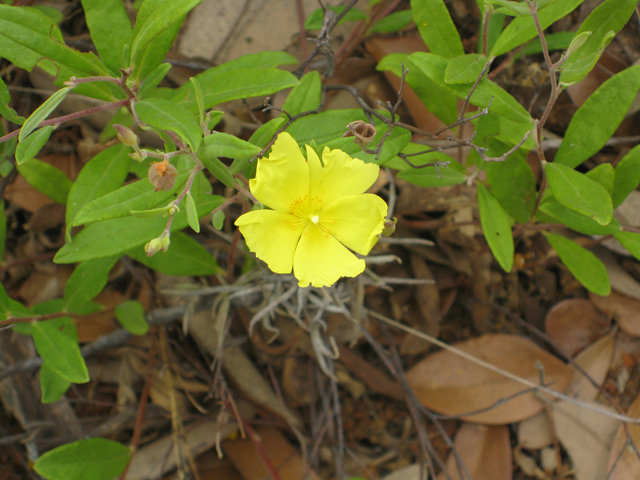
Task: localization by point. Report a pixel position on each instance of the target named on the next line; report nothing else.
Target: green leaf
(167, 115)
(241, 83)
(5, 312)
(511, 8)
(86, 282)
(30, 146)
(523, 29)
(42, 112)
(224, 145)
(584, 63)
(53, 386)
(6, 111)
(440, 101)
(502, 103)
(130, 314)
(306, 96)
(59, 352)
(630, 241)
(604, 175)
(218, 170)
(584, 265)
(604, 22)
(393, 22)
(512, 182)
(3, 231)
(192, 213)
(95, 459)
(103, 174)
(254, 61)
(47, 179)
(576, 221)
(185, 257)
(436, 27)
(465, 68)
(136, 196)
(496, 227)
(153, 80)
(430, 177)
(199, 99)
(154, 20)
(217, 220)
(116, 236)
(260, 138)
(555, 41)
(314, 20)
(110, 29)
(28, 37)
(627, 176)
(578, 192)
(324, 127)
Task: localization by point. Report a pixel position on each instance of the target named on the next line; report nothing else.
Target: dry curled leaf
(627, 465)
(450, 384)
(573, 324)
(624, 309)
(484, 450)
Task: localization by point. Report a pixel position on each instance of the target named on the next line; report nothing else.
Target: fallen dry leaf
(157, 458)
(249, 457)
(586, 436)
(450, 384)
(574, 323)
(535, 433)
(485, 452)
(595, 360)
(624, 309)
(627, 466)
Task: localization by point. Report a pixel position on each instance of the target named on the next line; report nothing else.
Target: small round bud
(162, 175)
(126, 136)
(153, 247)
(389, 227)
(166, 241)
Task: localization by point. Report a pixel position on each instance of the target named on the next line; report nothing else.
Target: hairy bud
(126, 136)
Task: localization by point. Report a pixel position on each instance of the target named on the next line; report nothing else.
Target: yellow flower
(317, 211)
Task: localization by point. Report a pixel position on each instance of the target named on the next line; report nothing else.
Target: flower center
(314, 218)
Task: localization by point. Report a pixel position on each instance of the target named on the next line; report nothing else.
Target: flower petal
(272, 236)
(282, 178)
(320, 260)
(355, 220)
(341, 175)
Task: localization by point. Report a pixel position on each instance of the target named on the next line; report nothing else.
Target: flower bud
(153, 247)
(389, 227)
(126, 136)
(166, 241)
(162, 175)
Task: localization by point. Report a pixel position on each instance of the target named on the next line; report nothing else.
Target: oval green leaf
(130, 314)
(95, 459)
(224, 145)
(47, 179)
(42, 112)
(496, 226)
(30, 146)
(578, 192)
(598, 118)
(584, 265)
(59, 352)
(192, 213)
(167, 115)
